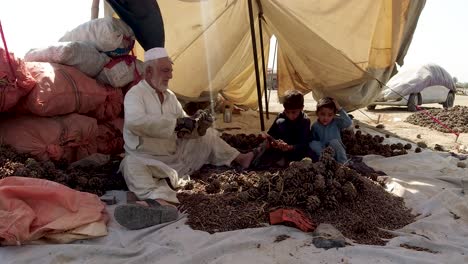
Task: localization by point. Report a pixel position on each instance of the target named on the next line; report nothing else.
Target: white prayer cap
(155, 53)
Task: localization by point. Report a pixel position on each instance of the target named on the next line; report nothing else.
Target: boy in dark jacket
(290, 132)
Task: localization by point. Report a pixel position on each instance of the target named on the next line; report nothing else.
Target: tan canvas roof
(332, 47)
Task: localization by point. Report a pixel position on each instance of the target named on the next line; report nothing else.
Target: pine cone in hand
(205, 120)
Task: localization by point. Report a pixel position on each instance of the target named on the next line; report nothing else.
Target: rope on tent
(7, 54)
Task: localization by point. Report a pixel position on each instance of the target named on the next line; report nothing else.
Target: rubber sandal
(135, 216)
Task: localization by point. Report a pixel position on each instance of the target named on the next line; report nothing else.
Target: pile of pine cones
(363, 144)
(455, 118)
(309, 185)
(91, 179)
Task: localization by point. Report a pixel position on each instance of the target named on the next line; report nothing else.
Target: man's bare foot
(244, 159)
(164, 203)
(160, 201)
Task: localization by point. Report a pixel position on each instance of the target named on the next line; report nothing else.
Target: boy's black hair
(293, 100)
(326, 102)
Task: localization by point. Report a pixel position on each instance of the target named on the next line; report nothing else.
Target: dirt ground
(393, 119)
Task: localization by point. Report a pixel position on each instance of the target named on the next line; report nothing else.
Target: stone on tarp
(327, 236)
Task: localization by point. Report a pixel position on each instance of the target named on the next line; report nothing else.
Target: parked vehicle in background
(412, 87)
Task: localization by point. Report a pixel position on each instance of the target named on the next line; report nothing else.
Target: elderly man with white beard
(163, 146)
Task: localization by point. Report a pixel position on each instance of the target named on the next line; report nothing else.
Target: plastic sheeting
(327, 46)
(429, 182)
(415, 79)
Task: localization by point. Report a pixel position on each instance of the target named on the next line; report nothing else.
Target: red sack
(70, 137)
(112, 107)
(32, 209)
(110, 138)
(63, 89)
(13, 85)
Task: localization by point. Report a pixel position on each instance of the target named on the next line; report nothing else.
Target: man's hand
(185, 127)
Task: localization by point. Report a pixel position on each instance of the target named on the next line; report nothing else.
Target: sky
(440, 36)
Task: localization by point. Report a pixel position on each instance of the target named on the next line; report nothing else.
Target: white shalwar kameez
(153, 151)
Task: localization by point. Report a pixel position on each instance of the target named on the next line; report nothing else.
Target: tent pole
(95, 9)
(257, 74)
(260, 16)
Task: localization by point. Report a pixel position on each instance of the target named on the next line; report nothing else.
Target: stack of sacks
(13, 85)
(79, 79)
(63, 90)
(110, 139)
(116, 39)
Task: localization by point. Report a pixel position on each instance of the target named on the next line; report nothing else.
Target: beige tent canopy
(336, 47)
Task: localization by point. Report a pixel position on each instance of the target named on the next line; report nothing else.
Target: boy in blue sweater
(326, 131)
(290, 132)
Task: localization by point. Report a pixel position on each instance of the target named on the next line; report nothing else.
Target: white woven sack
(120, 74)
(107, 34)
(81, 55)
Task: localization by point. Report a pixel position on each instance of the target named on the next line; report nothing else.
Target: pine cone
(308, 187)
(340, 174)
(349, 191)
(289, 199)
(319, 183)
(335, 189)
(264, 185)
(299, 194)
(358, 182)
(296, 182)
(95, 183)
(320, 168)
(213, 187)
(273, 197)
(230, 187)
(327, 157)
(254, 193)
(189, 186)
(244, 196)
(279, 185)
(329, 201)
(313, 202)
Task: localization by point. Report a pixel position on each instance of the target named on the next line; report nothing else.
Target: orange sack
(13, 85)
(34, 208)
(71, 137)
(63, 89)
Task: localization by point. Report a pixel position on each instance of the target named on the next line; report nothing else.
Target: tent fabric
(429, 182)
(334, 48)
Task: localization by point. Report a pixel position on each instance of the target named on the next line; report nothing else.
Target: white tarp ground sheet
(430, 183)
